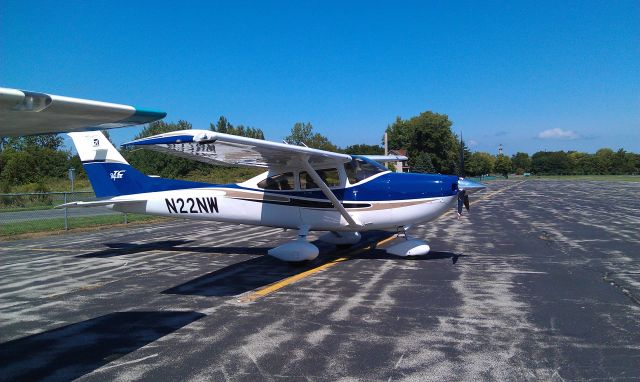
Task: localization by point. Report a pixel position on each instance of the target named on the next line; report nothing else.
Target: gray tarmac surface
(540, 282)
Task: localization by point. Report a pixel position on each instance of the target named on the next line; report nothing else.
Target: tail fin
(108, 172)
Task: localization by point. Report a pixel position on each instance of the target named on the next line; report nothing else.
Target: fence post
(66, 223)
(126, 219)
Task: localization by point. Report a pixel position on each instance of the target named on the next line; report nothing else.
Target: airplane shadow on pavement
(240, 277)
(261, 271)
(121, 249)
(69, 352)
(431, 256)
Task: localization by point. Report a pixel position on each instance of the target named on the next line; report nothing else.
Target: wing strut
(329, 194)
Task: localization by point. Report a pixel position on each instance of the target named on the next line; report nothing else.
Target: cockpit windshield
(361, 168)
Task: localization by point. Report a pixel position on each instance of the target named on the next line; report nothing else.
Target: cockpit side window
(283, 182)
(330, 176)
(359, 169)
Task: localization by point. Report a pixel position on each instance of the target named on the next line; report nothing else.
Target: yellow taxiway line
(264, 291)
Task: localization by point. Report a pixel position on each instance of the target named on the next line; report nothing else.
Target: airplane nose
(470, 186)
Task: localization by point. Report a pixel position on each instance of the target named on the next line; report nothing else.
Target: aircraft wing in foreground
(24, 112)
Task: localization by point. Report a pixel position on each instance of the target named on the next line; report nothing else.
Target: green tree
(503, 165)
(463, 156)
(521, 162)
(428, 132)
(550, 163)
(223, 126)
(480, 163)
(577, 162)
(302, 133)
(604, 161)
(31, 159)
(623, 162)
(421, 163)
(34, 142)
(363, 149)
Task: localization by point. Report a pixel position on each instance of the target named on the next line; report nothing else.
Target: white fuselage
(268, 209)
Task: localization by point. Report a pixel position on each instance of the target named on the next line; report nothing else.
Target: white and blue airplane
(302, 188)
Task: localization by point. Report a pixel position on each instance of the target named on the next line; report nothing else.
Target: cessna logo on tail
(117, 174)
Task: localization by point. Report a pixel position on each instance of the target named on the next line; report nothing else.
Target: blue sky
(530, 75)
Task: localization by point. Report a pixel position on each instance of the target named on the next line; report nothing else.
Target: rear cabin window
(330, 176)
(281, 182)
(359, 170)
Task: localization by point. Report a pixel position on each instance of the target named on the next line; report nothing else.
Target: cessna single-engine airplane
(302, 188)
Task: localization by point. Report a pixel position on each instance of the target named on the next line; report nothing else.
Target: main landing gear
(408, 246)
(301, 250)
(297, 250)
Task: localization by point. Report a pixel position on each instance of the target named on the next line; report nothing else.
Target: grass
(607, 178)
(57, 224)
(52, 184)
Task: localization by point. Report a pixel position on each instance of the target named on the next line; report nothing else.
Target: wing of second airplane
(24, 112)
(232, 150)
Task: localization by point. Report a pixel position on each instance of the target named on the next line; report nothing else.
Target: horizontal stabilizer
(100, 203)
(29, 113)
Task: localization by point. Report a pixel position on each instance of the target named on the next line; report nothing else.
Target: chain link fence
(36, 209)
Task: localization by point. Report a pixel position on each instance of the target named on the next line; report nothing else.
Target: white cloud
(557, 134)
(472, 143)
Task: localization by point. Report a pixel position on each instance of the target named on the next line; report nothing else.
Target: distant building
(500, 149)
(401, 166)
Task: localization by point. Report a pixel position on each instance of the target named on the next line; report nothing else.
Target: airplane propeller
(466, 185)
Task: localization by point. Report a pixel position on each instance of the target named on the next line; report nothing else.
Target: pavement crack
(621, 288)
(264, 374)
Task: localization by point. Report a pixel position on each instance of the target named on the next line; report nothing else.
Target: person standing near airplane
(463, 199)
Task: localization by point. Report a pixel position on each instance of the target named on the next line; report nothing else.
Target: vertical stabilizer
(93, 146)
(108, 172)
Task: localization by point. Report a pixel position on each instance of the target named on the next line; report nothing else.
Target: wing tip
(144, 116)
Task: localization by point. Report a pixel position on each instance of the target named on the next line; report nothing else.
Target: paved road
(541, 281)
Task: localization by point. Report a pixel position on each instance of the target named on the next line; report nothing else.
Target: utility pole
(72, 176)
(386, 144)
(386, 148)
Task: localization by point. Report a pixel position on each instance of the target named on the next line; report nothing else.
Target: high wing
(29, 113)
(232, 150)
